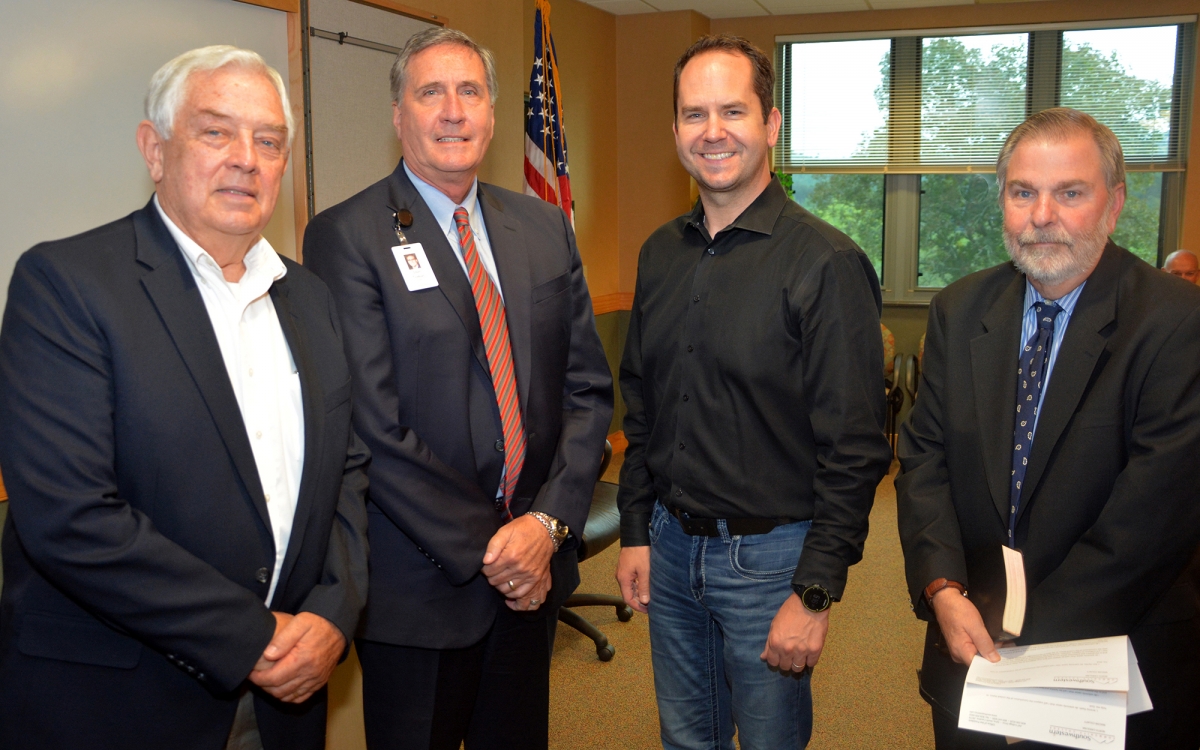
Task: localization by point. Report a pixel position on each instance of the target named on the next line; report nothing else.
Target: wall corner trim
(607, 303)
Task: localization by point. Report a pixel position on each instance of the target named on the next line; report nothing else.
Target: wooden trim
(295, 35)
(618, 441)
(289, 6)
(406, 10)
(606, 303)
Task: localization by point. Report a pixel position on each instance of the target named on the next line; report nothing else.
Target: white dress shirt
(261, 370)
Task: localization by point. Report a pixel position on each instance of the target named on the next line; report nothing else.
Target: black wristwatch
(815, 598)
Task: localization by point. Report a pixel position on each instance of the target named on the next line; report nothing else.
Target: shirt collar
(1066, 302)
(261, 260)
(760, 216)
(440, 205)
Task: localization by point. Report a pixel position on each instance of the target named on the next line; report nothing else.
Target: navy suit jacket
(1109, 520)
(425, 406)
(138, 548)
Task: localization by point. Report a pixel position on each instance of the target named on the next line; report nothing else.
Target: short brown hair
(1059, 123)
(432, 37)
(764, 71)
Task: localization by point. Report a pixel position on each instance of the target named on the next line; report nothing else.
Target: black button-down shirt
(753, 378)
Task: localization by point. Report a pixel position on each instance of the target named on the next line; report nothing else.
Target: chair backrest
(604, 462)
(912, 376)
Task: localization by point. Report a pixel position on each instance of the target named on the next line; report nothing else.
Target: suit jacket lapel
(172, 289)
(995, 353)
(1082, 350)
(452, 282)
(512, 266)
(314, 422)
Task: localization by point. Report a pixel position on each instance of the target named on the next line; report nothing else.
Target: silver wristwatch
(558, 530)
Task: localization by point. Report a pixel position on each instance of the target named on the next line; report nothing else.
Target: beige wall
(763, 30)
(585, 38)
(653, 186)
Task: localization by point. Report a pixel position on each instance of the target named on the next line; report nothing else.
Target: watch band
(557, 529)
(943, 583)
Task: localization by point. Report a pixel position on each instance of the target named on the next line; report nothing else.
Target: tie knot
(1046, 313)
(460, 217)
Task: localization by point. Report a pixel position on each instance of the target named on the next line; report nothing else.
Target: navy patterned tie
(1031, 370)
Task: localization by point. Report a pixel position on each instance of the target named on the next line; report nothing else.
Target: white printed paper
(1092, 664)
(1070, 718)
(1030, 693)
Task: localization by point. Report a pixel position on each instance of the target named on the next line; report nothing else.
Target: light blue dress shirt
(443, 208)
(1029, 329)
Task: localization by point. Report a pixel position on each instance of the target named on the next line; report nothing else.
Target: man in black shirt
(753, 377)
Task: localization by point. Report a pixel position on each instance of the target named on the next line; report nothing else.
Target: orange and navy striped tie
(494, 324)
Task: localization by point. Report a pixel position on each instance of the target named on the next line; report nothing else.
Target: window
(894, 140)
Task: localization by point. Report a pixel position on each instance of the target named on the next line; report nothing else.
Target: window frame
(902, 187)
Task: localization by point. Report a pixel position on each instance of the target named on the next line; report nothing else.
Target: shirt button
(251, 372)
(261, 575)
(681, 446)
(694, 299)
(711, 251)
(267, 498)
(500, 446)
(689, 347)
(685, 397)
(678, 493)
(258, 434)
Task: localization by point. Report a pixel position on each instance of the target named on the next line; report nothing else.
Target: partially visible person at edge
(1183, 263)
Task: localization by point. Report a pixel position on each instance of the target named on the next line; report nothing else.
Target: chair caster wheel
(624, 614)
(606, 653)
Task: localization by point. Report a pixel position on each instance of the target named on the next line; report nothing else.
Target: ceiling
(739, 8)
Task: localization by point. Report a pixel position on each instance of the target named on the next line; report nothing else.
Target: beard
(1070, 256)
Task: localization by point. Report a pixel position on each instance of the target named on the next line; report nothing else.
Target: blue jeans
(712, 600)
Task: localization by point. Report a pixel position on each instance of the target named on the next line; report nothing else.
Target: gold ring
(512, 586)
(534, 602)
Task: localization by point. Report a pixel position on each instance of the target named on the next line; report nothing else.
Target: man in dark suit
(482, 391)
(185, 553)
(1059, 403)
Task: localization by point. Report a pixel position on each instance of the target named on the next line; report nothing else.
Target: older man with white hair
(185, 553)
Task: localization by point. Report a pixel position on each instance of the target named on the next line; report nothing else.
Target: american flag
(546, 173)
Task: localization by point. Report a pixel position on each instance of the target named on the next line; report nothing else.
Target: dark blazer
(425, 406)
(138, 550)
(1109, 520)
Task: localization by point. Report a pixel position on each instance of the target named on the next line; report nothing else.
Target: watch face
(815, 599)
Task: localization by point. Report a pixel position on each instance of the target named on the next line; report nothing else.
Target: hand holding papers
(1074, 693)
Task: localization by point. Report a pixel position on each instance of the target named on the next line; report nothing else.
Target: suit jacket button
(262, 575)
(500, 445)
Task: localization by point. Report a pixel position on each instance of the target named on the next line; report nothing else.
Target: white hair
(168, 86)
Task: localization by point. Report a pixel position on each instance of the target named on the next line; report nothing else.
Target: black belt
(734, 526)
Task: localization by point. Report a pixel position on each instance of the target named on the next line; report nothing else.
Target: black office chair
(602, 529)
(912, 377)
(895, 399)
